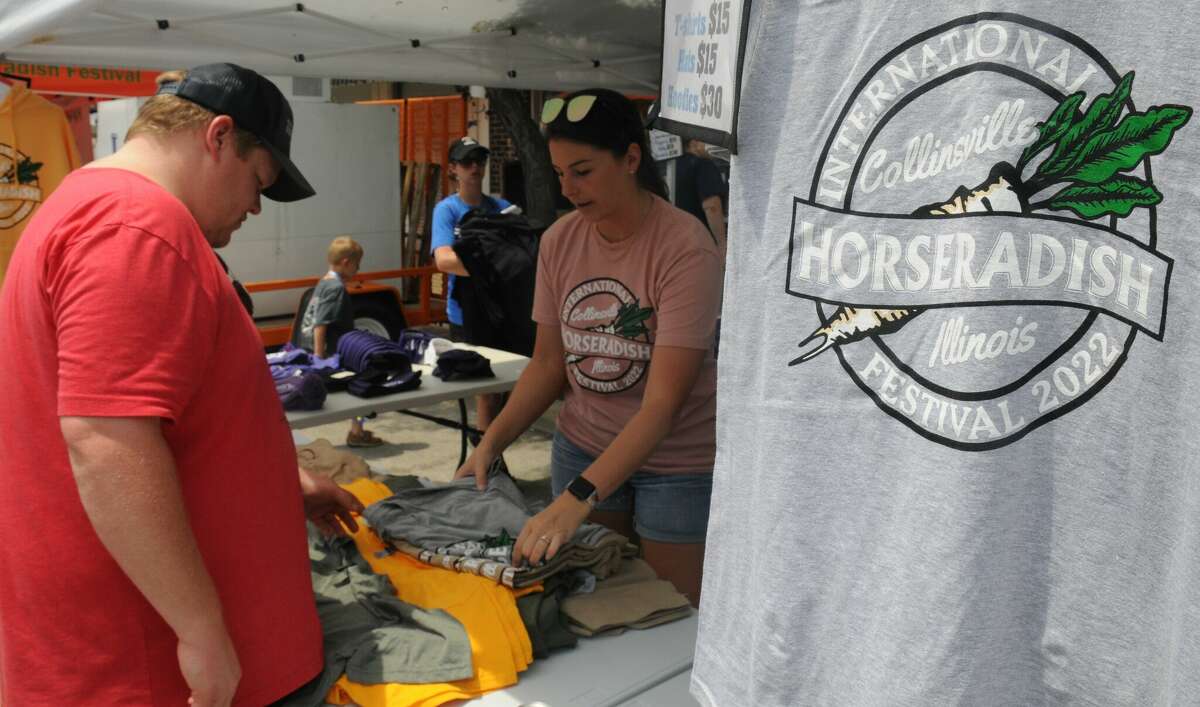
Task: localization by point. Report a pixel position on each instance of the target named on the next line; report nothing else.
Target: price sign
(665, 146)
(703, 47)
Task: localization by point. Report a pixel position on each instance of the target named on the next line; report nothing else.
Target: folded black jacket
(460, 364)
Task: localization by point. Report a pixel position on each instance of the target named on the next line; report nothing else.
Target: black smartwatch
(584, 490)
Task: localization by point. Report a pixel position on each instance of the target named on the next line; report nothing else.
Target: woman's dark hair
(613, 123)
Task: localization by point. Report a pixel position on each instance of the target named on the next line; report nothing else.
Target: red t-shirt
(115, 306)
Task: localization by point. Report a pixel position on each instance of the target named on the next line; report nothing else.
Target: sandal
(366, 439)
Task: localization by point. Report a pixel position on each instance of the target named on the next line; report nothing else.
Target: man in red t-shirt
(151, 514)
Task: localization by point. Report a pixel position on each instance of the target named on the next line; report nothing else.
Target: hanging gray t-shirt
(958, 447)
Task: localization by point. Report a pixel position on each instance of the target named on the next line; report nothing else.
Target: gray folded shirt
(372, 636)
(439, 516)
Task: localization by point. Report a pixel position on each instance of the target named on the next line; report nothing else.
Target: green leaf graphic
(630, 320)
(1050, 131)
(640, 316)
(27, 171)
(1101, 115)
(1118, 196)
(1118, 150)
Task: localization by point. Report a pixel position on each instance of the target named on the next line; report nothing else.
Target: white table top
(672, 693)
(343, 406)
(605, 671)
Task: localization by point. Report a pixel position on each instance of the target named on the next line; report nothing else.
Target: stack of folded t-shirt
(301, 390)
(302, 379)
(501, 647)
(456, 526)
(288, 360)
(321, 457)
(633, 597)
(362, 350)
(463, 364)
(382, 366)
(370, 635)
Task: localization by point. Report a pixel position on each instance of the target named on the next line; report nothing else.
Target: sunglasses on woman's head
(577, 108)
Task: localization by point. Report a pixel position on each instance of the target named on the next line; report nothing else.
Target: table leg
(464, 428)
(462, 413)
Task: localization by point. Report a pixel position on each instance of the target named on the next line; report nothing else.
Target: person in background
(700, 189)
(330, 314)
(152, 523)
(467, 162)
(628, 290)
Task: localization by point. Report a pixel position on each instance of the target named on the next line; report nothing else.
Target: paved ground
(415, 446)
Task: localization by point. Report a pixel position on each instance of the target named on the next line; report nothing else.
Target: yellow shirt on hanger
(37, 150)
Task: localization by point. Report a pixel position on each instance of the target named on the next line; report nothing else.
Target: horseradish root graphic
(630, 323)
(1092, 151)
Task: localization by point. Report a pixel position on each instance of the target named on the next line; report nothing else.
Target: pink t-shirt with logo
(613, 303)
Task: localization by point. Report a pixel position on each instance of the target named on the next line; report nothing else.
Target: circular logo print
(605, 336)
(980, 234)
(19, 188)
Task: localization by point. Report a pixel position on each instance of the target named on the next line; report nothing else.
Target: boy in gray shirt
(329, 314)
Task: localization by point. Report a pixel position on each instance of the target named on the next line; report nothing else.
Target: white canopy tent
(542, 44)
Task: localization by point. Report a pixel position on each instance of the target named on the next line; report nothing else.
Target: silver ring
(544, 537)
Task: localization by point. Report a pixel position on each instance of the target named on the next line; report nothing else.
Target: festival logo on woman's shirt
(605, 337)
(19, 188)
(975, 314)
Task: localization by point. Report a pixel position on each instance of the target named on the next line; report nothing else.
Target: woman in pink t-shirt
(628, 293)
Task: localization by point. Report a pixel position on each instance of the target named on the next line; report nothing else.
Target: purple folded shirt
(288, 355)
(314, 364)
(301, 391)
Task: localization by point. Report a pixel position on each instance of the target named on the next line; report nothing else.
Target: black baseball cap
(258, 107)
(467, 148)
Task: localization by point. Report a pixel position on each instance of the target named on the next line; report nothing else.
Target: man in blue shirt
(467, 162)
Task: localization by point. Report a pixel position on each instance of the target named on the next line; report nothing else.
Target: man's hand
(549, 530)
(326, 503)
(210, 666)
(446, 260)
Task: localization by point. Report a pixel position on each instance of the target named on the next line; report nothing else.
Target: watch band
(584, 490)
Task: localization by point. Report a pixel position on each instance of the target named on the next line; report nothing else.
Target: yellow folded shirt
(500, 645)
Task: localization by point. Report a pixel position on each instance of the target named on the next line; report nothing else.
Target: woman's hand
(545, 533)
(477, 465)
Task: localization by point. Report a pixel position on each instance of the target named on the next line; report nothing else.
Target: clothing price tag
(665, 146)
(703, 48)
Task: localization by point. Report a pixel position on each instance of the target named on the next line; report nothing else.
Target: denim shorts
(667, 508)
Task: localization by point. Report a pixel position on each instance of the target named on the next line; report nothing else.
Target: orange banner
(84, 80)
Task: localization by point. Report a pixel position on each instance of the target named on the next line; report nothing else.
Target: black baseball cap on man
(256, 106)
(468, 148)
